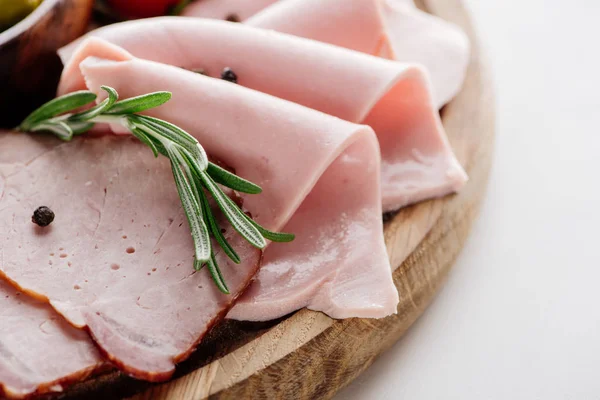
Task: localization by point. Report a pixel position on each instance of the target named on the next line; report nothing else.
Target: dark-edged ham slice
(117, 257)
(39, 351)
(393, 29)
(129, 279)
(393, 98)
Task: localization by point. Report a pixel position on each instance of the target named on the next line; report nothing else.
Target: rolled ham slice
(39, 351)
(393, 98)
(122, 250)
(417, 162)
(393, 29)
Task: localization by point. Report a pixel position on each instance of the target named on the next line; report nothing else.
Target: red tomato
(142, 8)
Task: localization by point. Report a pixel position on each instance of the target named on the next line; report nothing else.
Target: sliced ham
(39, 351)
(393, 29)
(117, 259)
(393, 98)
(417, 162)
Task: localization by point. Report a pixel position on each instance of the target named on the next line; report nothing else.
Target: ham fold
(393, 29)
(393, 98)
(122, 252)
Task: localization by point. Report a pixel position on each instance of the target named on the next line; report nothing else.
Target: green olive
(12, 11)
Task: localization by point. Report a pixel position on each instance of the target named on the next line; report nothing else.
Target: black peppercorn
(233, 18)
(229, 75)
(43, 216)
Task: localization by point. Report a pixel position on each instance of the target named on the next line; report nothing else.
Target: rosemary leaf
(182, 135)
(60, 105)
(236, 217)
(226, 178)
(138, 133)
(198, 265)
(195, 185)
(176, 135)
(215, 272)
(79, 127)
(209, 218)
(59, 128)
(279, 237)
(192, 210)
(216, 230)
(101, 108)
(139, 103)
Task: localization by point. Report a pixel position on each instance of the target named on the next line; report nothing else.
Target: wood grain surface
(308, 355)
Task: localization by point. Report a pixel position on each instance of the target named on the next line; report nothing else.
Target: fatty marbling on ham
(393, 29)
(393, 98)
(124, 256)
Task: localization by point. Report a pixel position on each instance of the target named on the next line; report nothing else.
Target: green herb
(195, 176)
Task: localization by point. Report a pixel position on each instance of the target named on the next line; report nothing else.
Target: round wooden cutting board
(308, 355)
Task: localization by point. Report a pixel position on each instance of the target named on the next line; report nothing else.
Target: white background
(520, 315)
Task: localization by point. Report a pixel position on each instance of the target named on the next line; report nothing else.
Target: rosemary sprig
(195, 176)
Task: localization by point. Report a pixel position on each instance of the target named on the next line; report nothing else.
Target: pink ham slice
(393, 98)
(39, 351)
(417, 162)
(144, 308)
(393, 29)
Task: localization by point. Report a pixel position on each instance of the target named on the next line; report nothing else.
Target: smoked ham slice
(393, 98)
(122, 250)
(117, 257)
(393, 29)
(39, 351)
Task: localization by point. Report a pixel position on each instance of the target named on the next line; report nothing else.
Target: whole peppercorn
(233, 18)
(43, 216)
(229, 75)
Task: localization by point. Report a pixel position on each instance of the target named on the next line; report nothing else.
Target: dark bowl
(29, 66)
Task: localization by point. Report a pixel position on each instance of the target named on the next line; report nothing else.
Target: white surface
(520, 315)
